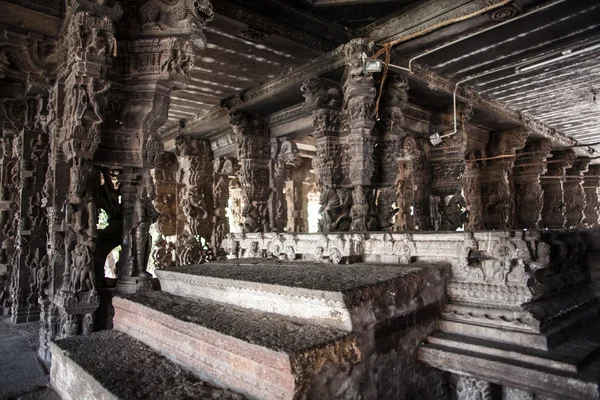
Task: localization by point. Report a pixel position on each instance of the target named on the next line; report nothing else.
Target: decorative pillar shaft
(324, 98)
(575, 198)
(553, 213)
(223, 169)
(284, 156)
(195, 198)
(359, 113)
(529, 194)
(497, 180)
(394, 101)
(591, 185)
(254, 158)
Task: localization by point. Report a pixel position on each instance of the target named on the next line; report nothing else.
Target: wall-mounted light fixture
(371, 65)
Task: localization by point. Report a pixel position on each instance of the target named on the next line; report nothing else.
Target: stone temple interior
(309, 199)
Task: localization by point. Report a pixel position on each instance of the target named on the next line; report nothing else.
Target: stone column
(553, 213)
(359, 113)
(393, 102)
(195, 199)
(165, 180)
(412, 187)
(254, 156)
(497, 179)
(324, 99)
(575, 198)
(591, 185)
(30, 273)
(529, 194)
(284, 156)
(223, 169)
(448, 172)
(297, 189)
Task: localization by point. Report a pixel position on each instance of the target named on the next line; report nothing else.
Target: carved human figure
(163, 254)
(359, 211)
(146, 215)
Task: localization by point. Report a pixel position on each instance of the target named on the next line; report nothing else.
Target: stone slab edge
(319, 307)
(224, 361)
(71, 381)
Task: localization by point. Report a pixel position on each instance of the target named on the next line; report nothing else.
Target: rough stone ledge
(311, 293)
(112, 365)
(250, 352)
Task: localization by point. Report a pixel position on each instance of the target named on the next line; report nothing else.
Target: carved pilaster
(591, 185)
(553, 213)
(575, 198)
(529, 194)
(498, 182)
(254, 159)
(195, 196)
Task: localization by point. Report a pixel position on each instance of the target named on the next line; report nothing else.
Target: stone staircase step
(113, 365)
(258, 355)
(343, 297)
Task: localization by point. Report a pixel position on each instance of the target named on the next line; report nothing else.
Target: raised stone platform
(112, 365)
(342, 297)
(570, 370)
(255, 354)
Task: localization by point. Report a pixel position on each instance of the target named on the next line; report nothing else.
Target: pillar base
(135, 284)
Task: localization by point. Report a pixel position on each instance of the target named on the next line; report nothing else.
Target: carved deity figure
(146, 215)
(359, 211)
(163, 254)
(82, 273)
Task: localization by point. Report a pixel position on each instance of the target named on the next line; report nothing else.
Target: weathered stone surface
(327, 295)
(80, 370)
(258, 355)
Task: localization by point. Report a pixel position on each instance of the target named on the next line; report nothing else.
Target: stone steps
(255, 354)
(344, 297)
(112, 365)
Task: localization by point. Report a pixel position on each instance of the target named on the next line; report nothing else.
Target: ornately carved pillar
(529, 194)
(195, 198)
(448, 169)
(297, 189)
(359, 112)
(324, 98)
(254, 157)
(575, 198)
(553, 213)
(497, 179)
(223, 169)
(30, 273)
(394, 100)
(284, 156)
(165, 181)
(591, 185)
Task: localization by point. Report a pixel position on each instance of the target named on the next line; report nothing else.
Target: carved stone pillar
(30, 274)
(529, 194)
(254, 158)
(575, 198)
(448, 169)
(553, 213)
(297, 189)
(359, 112)
(394, 101)
(195, 198)
(412, 187)
(223, 169)
(591, 185)
(284, 156)
(497, 181)
(165, 181)
(324, 98)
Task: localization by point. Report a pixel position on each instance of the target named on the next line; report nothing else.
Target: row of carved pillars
(375, 176)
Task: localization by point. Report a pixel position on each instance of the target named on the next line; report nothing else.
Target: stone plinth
(307, 292)
(81, 369)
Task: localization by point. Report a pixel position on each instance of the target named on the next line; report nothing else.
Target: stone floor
(22, 375)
